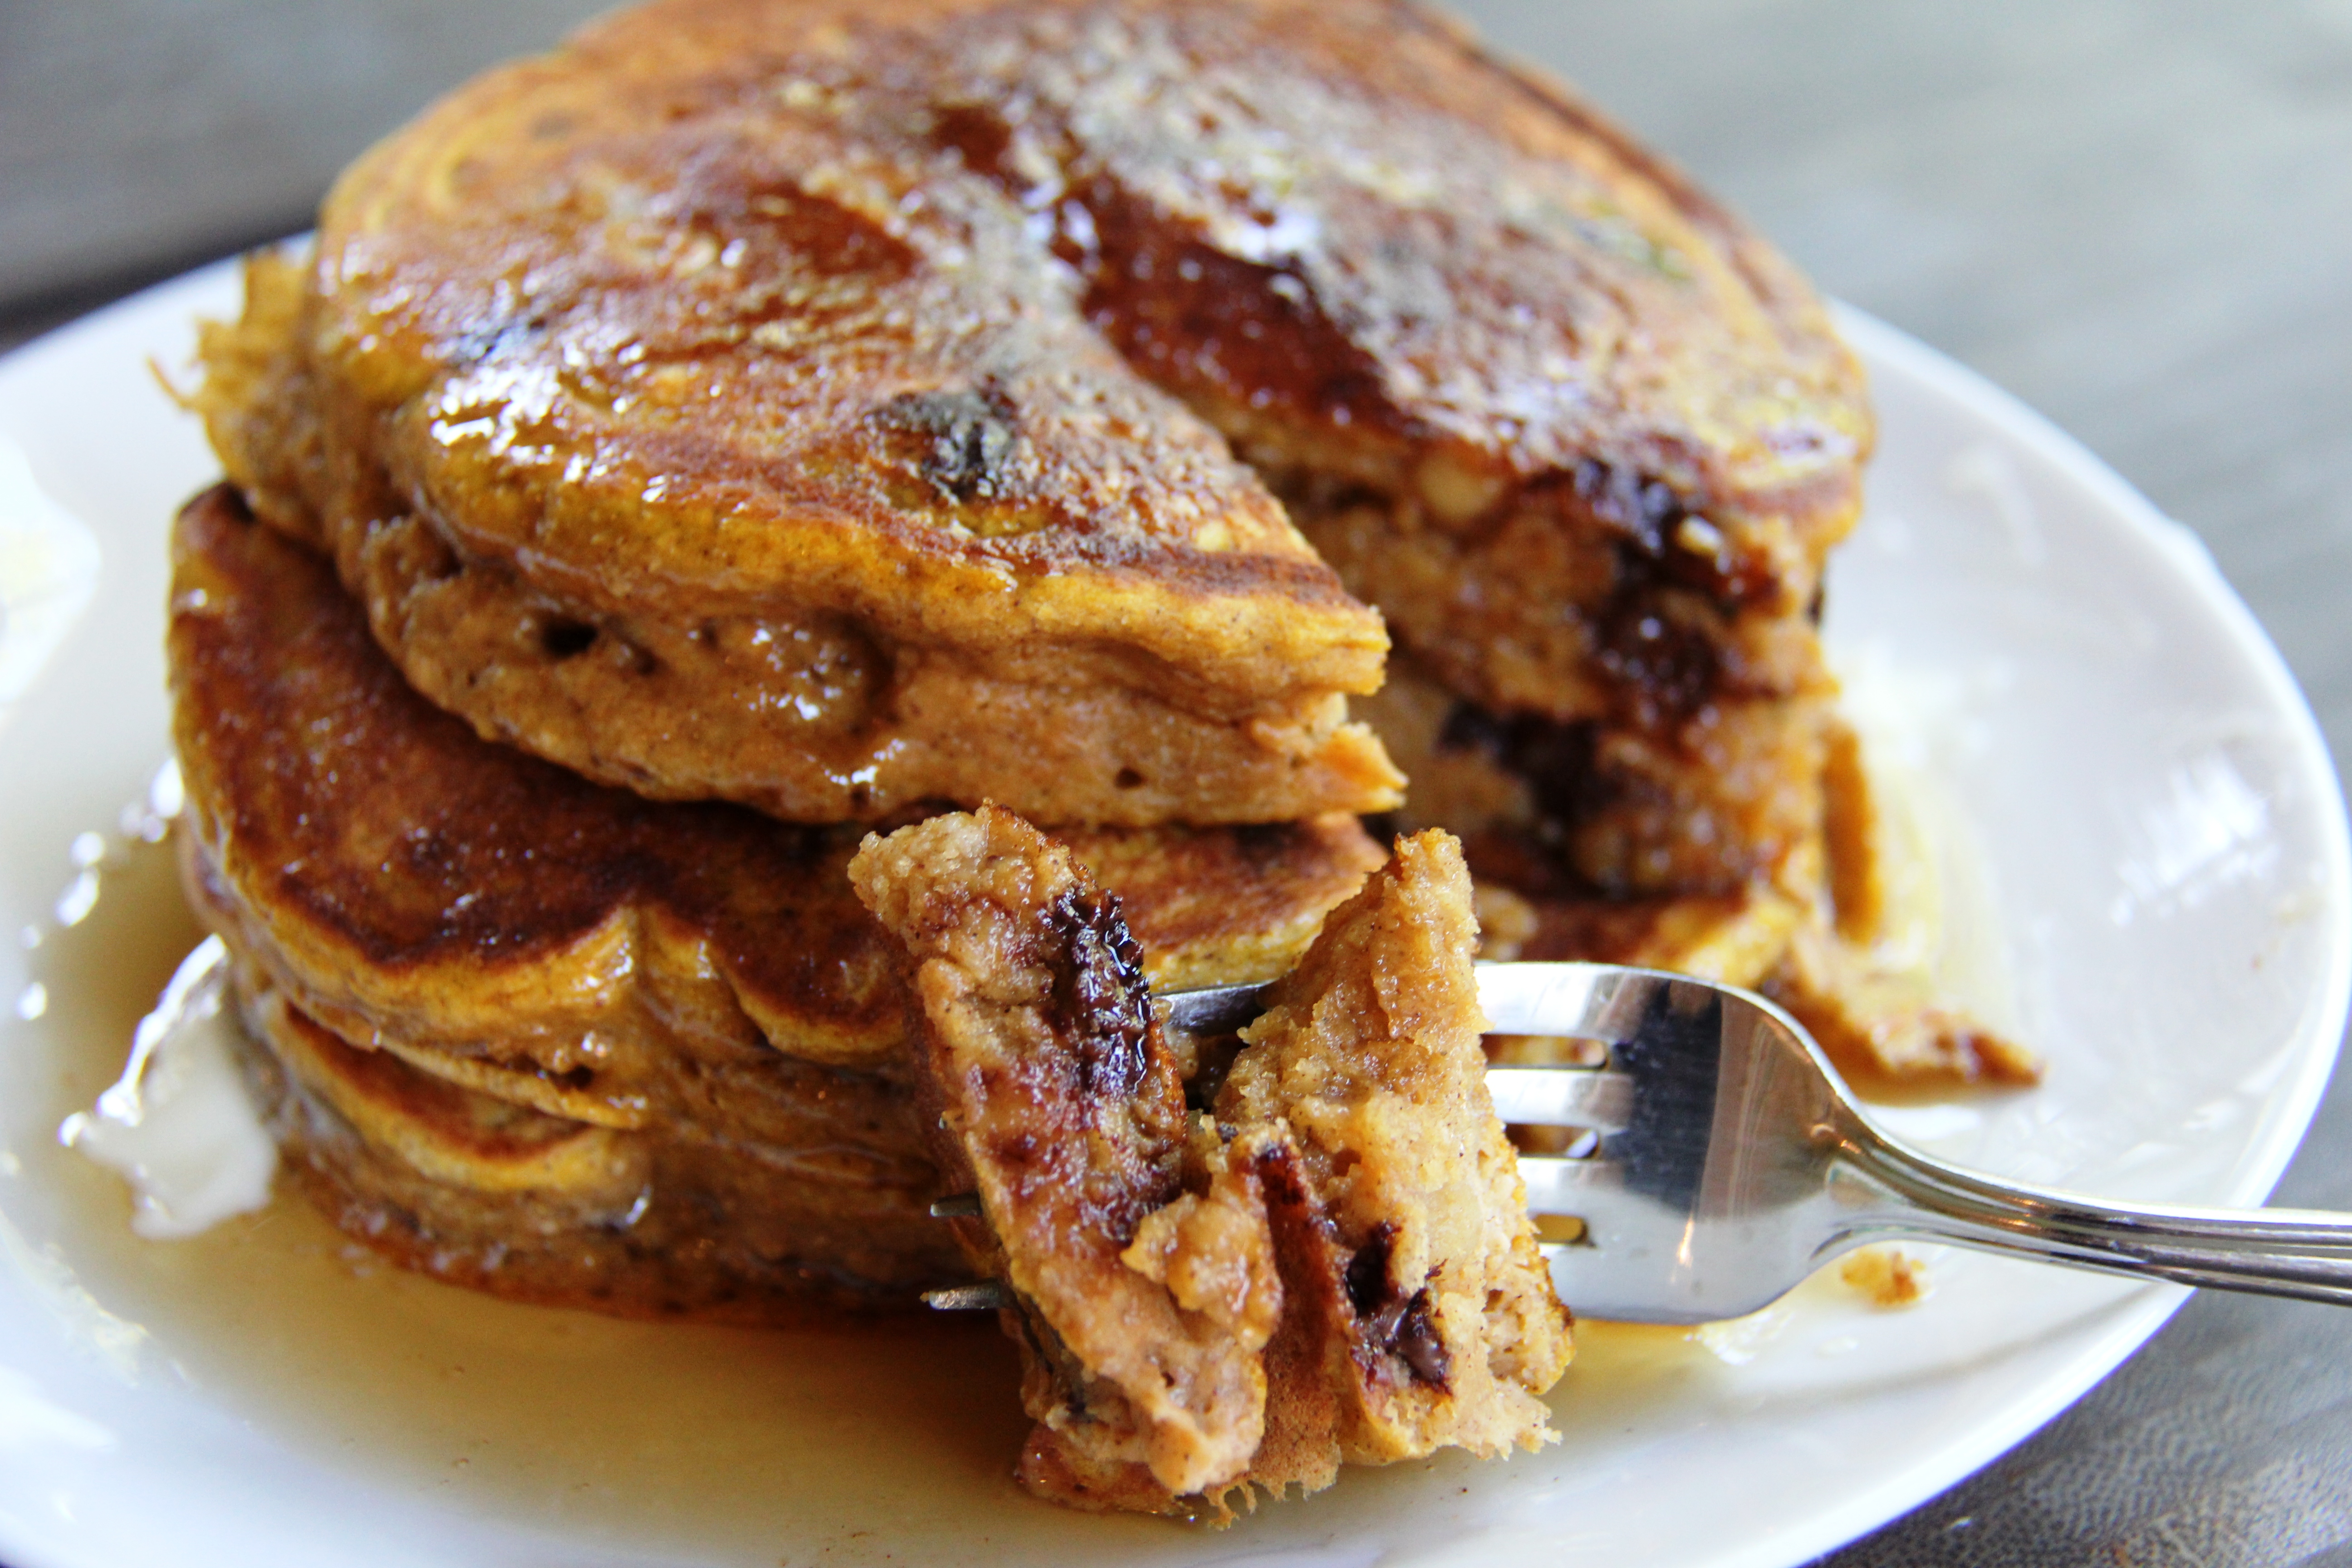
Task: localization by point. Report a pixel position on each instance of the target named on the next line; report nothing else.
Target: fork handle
(2303, 1254)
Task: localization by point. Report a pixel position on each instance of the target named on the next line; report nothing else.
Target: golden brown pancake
(716, 1219)
(697, 980)
(853, 378)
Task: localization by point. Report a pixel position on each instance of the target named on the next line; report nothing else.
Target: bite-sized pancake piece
(1140, 1307)
(1419, 1313)
(695, 973)
(1353, 1186)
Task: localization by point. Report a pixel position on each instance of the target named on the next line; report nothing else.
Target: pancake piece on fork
(1336, 1264)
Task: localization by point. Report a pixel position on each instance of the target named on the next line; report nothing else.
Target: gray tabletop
(2135, 214)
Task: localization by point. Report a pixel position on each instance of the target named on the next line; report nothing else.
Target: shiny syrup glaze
(921, 276)
(1336, 218)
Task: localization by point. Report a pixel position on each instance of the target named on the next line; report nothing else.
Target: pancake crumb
(1885, 1277)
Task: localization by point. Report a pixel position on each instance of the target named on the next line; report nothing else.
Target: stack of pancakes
(763, 421)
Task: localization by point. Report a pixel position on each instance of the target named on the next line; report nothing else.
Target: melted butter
(179, 1125)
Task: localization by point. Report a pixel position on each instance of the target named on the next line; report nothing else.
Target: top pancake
(864, 321)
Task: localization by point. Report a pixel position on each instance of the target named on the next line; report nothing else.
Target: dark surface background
(2135, 214)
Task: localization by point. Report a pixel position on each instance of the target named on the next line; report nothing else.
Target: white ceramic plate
(2142, 853)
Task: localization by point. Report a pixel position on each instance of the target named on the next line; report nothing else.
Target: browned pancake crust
(673, 1218)
(856, 323)
(808, 714)
(695, 973)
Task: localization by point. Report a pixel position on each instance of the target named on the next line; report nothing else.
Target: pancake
(1336, 1264)
(913, 391)
(674, 1217)
(1055, 1097)
(453, 935)
(808, 711)
(1807, 929)
(1420, 1314)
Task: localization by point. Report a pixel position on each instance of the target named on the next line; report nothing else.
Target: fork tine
(980, 1296)
(1589, 1001)
(1558, 1185)
(1562, 1096)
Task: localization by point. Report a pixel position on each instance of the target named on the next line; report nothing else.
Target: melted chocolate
(1555, 759)
(957, 441)
(1367, 1271)
(1102, 1004)
(1394, 1323)
(1668, 670)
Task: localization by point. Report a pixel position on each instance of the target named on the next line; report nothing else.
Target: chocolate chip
(1667, 665)
(1101, 1002)
(566, 639)
(1368, 1272)
(979, 134)
(1417, 1342)
(1645, 511)
(1555, 759)
(1394, 1324)
(958, 441)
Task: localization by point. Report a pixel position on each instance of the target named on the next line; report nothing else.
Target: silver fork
(1731, 1161)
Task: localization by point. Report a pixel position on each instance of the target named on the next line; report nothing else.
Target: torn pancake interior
(1419, 1313)
(1336, 1268)
(1807, 922)
(1140, 1308)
